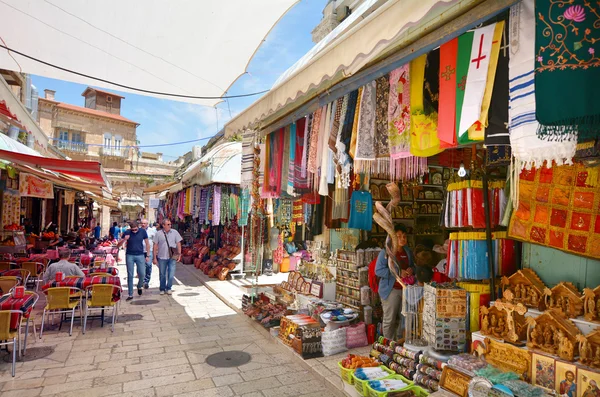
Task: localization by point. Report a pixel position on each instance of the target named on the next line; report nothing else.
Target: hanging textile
(297, 212)
(292, 162)
(336, 125)
(244, 207)
(463, 60)
(274, 164)
(247, 157)
(365, 135)
(558, 208)
(314, 142)
(324, 149)
(305, 146)
(354, 137)
(464, 205)
(285, 162)
(567, 69)
(382, 147)
(496, 132)
(224, 205)
(447, 111)
(316, 218)
(262, 164)
(345, 137)
(340, 202)
(300, 180)
(424, 98)
(361, 211)
(216, 205)
(498, 155)
(527, 148)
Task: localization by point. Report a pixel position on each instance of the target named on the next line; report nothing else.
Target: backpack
(373, 278)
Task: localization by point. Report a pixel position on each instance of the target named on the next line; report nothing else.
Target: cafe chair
(31, 319)
(101, 274)
(25, 274)
(34, 273)
(6, 266)
(62, 300)
(7, 283)
(10, 336)
(100, 297)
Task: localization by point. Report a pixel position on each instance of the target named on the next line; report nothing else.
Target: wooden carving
(508, 358)
(526, 287)
(591, 301)
(554, 334)
(565, 298)
(589, 349)
(505, 321)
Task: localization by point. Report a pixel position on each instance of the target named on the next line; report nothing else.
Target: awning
(193, 48)
(222, 164)
(131, 201)
(159, 188)
(10, 145)
(90, 171)
(393, 26)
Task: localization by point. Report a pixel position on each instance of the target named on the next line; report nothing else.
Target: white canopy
(359, 40)
(222, 164)
(186, 47)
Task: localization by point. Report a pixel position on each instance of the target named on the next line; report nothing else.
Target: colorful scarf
(527, 149)
(496, 132)
(300, 181)
(323, 154)
(247, 157)
(274, 165)
(336, 125)
(354, 136)
(244, 205)
(365, 136)
(382, 147)
(567, 69)
(216, 205)
(447, 111)
(424, 97)
(285, 160)
(305, 146)
(343, 160)
(314, 142)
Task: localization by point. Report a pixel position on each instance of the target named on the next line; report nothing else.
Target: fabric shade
(222, 164)
(147, 44)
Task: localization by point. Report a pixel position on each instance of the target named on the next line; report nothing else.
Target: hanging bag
(172, 251)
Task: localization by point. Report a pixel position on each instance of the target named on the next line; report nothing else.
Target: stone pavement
(160, 350)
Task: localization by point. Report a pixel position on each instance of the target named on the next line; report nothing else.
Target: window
(63, 136)
(107, 141)
(77, 143)
(118, 142)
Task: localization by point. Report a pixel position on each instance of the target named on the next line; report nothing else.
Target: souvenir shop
(494, 177)
(208, 213)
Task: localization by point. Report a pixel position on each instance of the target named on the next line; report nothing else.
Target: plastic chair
(6, 265)
(100, 297)
(63, 300)
(101, 274)
(9, 336)
(7, 283)
(24, 276)
(30, 319)
(34, 273)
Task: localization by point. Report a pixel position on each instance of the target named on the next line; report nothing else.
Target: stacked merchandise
(429, 373)
(400, 360)
(263, 310)
(444, 317)
(303, 334)
(464, 206)
(221, 264)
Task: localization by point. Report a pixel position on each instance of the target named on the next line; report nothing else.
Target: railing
(71, 146)
(113, 152)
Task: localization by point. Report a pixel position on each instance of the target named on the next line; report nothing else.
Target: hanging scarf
(354, 136)
(323, 154)
(567, 69)
(336, 125)
(314, 142)
(244, 206)
(382, 147)
(365, 135)
(340, 202)
(292, 162)
(424, 91)
(343, 140)
(496, 132)
(224, 210)
(274, 166)
(285, 160)
(300, 181)
(528, 150)
(247, 157)
(348, 126)
(262, 164)
(216, 206)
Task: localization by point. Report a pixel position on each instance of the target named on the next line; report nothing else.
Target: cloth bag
(333, 342)
(356, 336)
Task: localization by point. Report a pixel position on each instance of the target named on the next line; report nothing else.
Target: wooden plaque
(508, 358)
(316, 289)
(455, 381)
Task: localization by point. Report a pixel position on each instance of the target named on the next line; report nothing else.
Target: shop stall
(495, 183)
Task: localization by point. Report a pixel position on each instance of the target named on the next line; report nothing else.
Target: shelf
(352, 306)
(429, 200)
(348, 270)
(429, 185)
(347, 296)
(429, 215)
(430, 234)
(348, 286)
(344, 260)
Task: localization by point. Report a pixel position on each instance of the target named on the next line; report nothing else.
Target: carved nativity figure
(551, 332)
(565, 298)
(526, 288)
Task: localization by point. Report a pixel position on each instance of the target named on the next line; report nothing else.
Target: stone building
(98, 132)
(336, 11)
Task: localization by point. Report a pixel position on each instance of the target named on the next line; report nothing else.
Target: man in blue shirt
(115, 230)
(97, 231)
(136, 239)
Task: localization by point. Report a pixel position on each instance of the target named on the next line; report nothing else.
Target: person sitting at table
(63, 266)
(57, 242)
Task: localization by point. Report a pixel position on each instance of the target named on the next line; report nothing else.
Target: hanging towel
(527, 149)
(567, 69)
(365, 137)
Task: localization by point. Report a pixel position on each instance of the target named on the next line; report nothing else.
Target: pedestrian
(97, 230)
(115, 230)
(151, 231)
(63, 266)
(390, 290)
(136, 239)
(167, 252)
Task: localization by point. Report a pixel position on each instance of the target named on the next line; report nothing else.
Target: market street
(160, 350)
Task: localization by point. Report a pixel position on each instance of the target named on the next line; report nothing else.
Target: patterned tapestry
(559, 207)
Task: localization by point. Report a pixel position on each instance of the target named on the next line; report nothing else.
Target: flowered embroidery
(572, 33)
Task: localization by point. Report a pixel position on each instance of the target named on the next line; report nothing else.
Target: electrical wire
(126, 86)
(135, 146)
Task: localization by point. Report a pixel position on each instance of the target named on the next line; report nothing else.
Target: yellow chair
(9, 336)
(101, 274)
(24, 276)
(34, 272)
(7, 283)
(6, 266)
(100, 297)
(28, 320)
(62, 300)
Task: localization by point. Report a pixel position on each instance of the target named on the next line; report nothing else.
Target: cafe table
(25, 304)
(110, 270)
(83, 282)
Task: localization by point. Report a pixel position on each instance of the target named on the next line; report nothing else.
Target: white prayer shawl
(324, 149)
(476, 77)
(528, 150)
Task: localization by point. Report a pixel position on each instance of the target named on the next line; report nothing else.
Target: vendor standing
(390, 290)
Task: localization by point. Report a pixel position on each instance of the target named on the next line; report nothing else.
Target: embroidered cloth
(365, 137)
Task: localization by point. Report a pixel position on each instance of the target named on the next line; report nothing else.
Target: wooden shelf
(430, 234)
(348, 286)
(348, 270)
(429, 214)
(430, 200)
(352, 306)
(347, 296)
(344, 260)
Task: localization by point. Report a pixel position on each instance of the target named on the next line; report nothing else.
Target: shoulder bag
(172, 250)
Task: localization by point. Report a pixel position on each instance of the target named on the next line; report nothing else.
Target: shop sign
(32, 186)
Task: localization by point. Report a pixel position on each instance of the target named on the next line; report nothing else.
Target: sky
(163, 121)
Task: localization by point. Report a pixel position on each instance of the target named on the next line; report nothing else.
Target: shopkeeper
(390, 290)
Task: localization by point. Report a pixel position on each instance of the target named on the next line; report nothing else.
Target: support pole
(488, 237)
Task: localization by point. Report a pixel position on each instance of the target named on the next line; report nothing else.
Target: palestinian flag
(474, 55)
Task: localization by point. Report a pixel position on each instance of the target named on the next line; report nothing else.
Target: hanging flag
(465, 43)
(477, 130)
(447, 111)
(496, 133)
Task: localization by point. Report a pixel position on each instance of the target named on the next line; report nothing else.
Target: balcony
(114, 152)
(71, 146)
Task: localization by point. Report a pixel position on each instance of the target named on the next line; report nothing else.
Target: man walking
(115, 230)
(167, 252)
(136, 239)
(151, 231)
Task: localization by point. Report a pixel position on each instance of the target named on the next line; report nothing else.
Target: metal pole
(488, 237)
(242, 270)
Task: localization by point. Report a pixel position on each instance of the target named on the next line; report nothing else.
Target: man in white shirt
(151, 232)
(62, 266)
(167, 252)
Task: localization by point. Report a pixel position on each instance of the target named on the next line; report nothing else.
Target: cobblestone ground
(160, 350)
